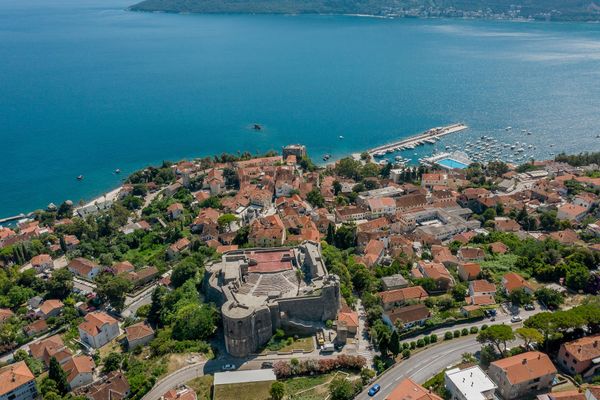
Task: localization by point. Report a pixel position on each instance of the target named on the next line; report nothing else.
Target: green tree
(577, 276)
(113, 290)
(497, 336)
(551, 298)
(184, 270)
(394, 345)
(156, 306)
(60, 284)
(315, 198)
(330, 233)
(520, 297)
(341, 389)
(277, 390)
(112, 362)
(58, 375)
(226, 219)
(195, 322)
(529, 336)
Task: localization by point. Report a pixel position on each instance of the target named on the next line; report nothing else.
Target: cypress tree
(58, 375)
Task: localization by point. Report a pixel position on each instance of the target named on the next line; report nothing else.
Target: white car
(516, 318)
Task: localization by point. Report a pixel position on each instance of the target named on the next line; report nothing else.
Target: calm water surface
(86, 87)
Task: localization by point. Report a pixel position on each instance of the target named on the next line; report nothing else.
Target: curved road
(423, 365)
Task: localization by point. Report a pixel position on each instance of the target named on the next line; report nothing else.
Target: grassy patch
(202, 386)
(501, 264)
(247, 391)
(290, 344)
(295, 385)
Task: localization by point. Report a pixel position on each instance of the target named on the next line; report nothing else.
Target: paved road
(424, 365)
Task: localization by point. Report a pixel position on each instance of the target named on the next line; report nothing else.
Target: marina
(428, 137)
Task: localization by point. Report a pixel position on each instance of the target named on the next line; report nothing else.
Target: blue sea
(87, 87)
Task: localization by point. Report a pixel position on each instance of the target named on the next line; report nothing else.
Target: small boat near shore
(80, 177)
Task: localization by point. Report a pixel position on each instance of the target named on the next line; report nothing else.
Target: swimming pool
(450, 163)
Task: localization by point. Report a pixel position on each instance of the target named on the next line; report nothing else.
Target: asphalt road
(423, 365)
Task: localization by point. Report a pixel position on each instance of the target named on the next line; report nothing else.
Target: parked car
(529, 307)
(516, 318)
(266, 365)
(374, 389)
(228, 367)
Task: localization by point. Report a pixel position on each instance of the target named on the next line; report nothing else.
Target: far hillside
(580, 10)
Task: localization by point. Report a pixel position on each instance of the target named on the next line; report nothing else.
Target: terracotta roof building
(138, 335)
(80, 371)
(512, 281)
(581, 356)
(98, 328)
(397, 297)
(17, 382)
(521, 375)
(409, 390)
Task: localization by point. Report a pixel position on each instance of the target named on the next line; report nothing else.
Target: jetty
(429, 137)
(15, 218)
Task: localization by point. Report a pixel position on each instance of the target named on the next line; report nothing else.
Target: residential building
(113, 386)
(512, 281)
(52, 346)
(84, 268)
(580, 356)
(398, 297)
(468, 271)
(469, 384)
(138, 334)
(267, 232)
(571, 212)
(396, 281)
(17, 382)
(409, 316)
(435, 271)
(50, 308)
(175, 210)
(182, 393)
(177, 247)
(98, 328)
(380, 206)
(42, 262)
(80, 371)
(346, 325)
(410, 390)
(522, 375)
(468, 254)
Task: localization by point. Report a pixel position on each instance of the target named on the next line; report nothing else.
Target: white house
(469, 384)
(98, 329)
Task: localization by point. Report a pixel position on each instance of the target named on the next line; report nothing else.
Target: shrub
(474, 329)
(426, 339)
(405, 345)
(448, 336)
(406, 353)
(456, 333)
(420, 343)
(433, 338)
(413, 345)
(464, 332)
(484, 327)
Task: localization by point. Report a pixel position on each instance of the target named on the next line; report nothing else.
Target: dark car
(266, 364)
(374, 389)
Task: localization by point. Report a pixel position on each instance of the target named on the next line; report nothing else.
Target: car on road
(266, 365)
(516, 318)
(529, 307)
(228, 367)
(374, 390)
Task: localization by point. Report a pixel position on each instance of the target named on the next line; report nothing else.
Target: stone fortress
(261, 290)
